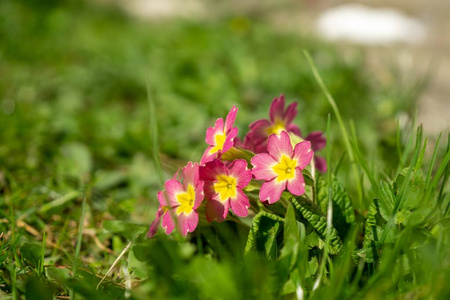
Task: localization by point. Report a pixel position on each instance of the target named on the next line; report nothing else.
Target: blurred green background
(75, 79)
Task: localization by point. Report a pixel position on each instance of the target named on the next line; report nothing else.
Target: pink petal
(162, 198)
(258, 129)
(290, 113)
(229, 121)
(296, 185)
(190, 174)
(279, 145)
(154, 226)
(262, 167)
(172, 188)
(294, 129)
(261, 147)
(209, 190)
(167, 223)
(199, 194)
(255, 145)
(239, 170)
(240, 204)
(229, 141)
(303, 153)
(318, 141)
(210, 170)
(271, 191)
(239, 143)
(188, 222)
(320, 163)
(208, 156)
(216, 210)
(277, 109)
(208, 174)
(212, 131)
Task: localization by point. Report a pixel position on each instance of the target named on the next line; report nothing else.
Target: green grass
(90, 101)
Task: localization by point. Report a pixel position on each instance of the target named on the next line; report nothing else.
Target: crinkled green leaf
(262, 235)
(312, 213)
(342, 204)
(343, 201)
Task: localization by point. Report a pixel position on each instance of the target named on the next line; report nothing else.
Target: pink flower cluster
(275, 155)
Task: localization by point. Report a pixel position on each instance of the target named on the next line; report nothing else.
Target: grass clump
(78, 178)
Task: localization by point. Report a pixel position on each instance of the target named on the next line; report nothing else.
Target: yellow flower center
(225, 187)
(277, 128)
(186, 200)
(285, 169)
(220, 140)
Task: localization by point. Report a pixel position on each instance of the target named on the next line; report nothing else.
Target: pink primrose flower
(181, 200)
(223, 188)
(280, 120)
(220, 138)
(281, 167)
(161, 213)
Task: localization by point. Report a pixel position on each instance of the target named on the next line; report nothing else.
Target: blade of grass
(409, 144)
(365, 167)
(329, 214)
(433, 158)
(434, 183)
(404, 187)
(327, 239)
(344, 132)
(59, 201)
(420, 160)
(446, 171)
(79, 240)
(115, 263)
(41, 266)
(339, 164)
(302, 261)
(328, 149)
(399, 143)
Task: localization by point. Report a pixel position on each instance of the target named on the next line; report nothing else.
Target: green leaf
(342, 204)
(308, 177)
(262, 235)
(32, 253)
(418, 216)
(414, 193)
(37, 289)
(312, 213)
(386, 201)
(125, 229)
(291, 234)
(343, 201)
(289, 253)
(322, 193)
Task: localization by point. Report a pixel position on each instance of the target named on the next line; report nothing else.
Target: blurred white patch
(164, 8)
(374, 26)
(300, 293)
